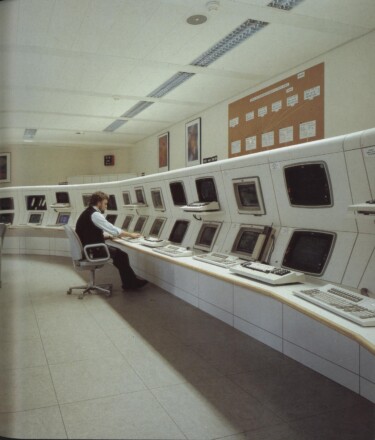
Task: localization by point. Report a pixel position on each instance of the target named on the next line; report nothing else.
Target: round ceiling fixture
(197, 19)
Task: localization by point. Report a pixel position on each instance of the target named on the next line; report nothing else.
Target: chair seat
(83, 261)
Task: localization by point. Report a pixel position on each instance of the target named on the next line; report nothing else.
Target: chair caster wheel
(69, 292)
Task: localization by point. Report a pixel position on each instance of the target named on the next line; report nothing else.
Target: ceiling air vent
(29, 134)
(286, 5)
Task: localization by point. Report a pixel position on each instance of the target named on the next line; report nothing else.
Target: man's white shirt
(100, 221)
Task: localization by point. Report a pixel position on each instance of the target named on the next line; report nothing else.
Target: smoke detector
(212, 5)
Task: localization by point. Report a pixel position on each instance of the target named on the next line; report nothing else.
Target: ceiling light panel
(240, 34)
(286, 5)
(170, 84)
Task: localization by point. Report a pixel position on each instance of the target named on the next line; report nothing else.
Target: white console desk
(327, 343)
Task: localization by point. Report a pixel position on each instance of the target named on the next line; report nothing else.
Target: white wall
(349, 106)
(33, 165)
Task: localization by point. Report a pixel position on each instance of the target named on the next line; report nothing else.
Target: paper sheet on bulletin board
(288, 112)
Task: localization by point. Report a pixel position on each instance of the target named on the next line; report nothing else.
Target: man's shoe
(140, 283)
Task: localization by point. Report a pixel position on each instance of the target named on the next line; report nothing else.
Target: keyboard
(126, 240)
(202, 206)
(218, 259)
(174, 251)
(153, 242)
(357, 308)
(267, 273)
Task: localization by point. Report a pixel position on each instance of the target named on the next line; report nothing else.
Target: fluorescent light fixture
(115, 125)
(240, 34)
(286, 5)
(170, 84)
(137, 108)
(29, 133)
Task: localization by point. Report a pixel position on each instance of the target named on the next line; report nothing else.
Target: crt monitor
(6, 218)
(248, 195)
(6, 203)
(206, 189)
(127, 221)
(140, 224)
(63, 218)
(36, 203)
(178, 193)
(250, 242)
(157, 199)
(111, 218)
(207, 236)
(126, 197)
(140, 196)
(86, 199)
(35, 218)
(178, 231)
(62, 197)
(308, 185)
(112, 205)
(156, 227)
(309, 251)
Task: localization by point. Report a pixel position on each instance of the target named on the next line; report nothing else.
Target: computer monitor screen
(248, 196)
(140, 224)
(178, 193)
(308, 185)
(126, 197)
(178, 232)
(86, 199)
(111, 218)
(157, 227)
(140, 196)
(63, 218)
(112, 205)
(251, 242)
(35, 218)
(6, 203)
(309, 251)
(127, 221)
(157, 199)
(7, 218)
(206, 189)
(207, 236)
(36, 203)
(62, 197)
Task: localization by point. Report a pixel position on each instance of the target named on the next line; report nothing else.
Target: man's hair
(97, 197)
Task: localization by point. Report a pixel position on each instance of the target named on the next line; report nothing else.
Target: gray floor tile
(26, 388)
(95, 378)
(129, 416)
(43, 423)
(213, 409)
(22, 353)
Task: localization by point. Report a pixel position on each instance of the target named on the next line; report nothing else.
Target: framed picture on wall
(4, 167)
(193, 142)
(163, 141)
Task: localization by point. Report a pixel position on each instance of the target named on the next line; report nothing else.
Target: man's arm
(100, 221)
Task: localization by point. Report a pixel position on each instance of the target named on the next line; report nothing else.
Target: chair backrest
(76, 249)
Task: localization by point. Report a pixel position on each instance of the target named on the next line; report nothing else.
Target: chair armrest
(96, 246)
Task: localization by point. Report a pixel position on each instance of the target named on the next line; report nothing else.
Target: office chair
(83, 260)
(3, 229)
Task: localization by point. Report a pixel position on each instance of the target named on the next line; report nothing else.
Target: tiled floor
(145, 365)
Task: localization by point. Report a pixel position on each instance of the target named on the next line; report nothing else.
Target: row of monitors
(307, 251)
(308, 185)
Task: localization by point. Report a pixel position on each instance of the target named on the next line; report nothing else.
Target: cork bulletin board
(288, 112)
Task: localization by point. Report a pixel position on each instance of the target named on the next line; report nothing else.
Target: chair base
(89, 289)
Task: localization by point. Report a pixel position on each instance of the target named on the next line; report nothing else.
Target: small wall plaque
(109, 160)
